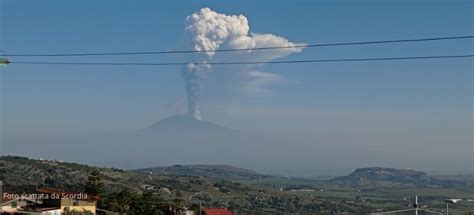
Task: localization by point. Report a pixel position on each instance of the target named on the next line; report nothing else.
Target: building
(70, 201)
(9, 204)
(218, 211)
(52, 202)
(189, 212)
(105, 212)
(411, 211)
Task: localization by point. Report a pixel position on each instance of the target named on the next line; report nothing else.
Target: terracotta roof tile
(218, 211)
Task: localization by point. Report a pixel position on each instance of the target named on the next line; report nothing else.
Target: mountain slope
(380, 176)
(185, 123)
(16, 172)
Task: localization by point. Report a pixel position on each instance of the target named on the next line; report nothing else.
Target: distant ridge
(223, 172)
(382, 176)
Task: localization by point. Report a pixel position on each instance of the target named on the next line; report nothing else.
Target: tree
(94, 185)
(176, 207)
(49, 182)
(121, 201)
(133, 203)
(147, 203)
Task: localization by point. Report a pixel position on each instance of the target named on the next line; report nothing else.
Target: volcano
(185, 131)
(177, 139)
(186, 124)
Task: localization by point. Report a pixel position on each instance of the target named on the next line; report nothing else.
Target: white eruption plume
(208, 31)
(193, 74)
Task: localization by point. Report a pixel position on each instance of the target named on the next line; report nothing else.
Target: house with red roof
(218, 211)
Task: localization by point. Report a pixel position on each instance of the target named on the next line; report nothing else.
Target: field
(383, 198)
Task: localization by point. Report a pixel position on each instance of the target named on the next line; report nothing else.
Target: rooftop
(218, 211)
(61, 192)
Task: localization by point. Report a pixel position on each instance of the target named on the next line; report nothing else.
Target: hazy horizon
(74, 148)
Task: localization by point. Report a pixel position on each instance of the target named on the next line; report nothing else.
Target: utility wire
(245, 62)
(245, 49)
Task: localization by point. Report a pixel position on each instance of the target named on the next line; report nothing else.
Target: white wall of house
(51, 212)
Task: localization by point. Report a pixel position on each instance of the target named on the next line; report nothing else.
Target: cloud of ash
(207, 31)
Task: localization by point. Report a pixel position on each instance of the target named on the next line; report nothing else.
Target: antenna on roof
(415, 205)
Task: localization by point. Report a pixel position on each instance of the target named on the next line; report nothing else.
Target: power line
(245, 62)
(246, 49)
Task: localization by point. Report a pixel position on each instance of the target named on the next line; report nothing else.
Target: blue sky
(42, 99)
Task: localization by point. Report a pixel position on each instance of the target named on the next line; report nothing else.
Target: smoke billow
(193, 74)
(207, 31)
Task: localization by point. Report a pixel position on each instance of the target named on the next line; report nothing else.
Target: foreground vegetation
(246, 192)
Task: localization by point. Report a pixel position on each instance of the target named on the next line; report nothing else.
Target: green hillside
(383, 177)
(223, 172)
(247, 191)
(192, 189)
